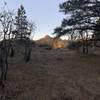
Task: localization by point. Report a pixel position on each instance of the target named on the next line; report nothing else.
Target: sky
(44, 13)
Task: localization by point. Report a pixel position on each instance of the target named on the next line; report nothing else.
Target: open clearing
(55, 74)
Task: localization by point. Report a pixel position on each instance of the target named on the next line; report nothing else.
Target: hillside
(56, 74)
(47, 40)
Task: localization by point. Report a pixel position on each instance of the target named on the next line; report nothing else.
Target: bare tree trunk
(28, 50)
(3, 62)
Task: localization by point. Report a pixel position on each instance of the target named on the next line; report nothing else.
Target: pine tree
(21, 23)
(81, 15)
(81, 18)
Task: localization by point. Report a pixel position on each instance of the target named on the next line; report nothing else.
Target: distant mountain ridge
(54, 43)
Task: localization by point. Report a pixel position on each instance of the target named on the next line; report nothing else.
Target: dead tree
(6, 23)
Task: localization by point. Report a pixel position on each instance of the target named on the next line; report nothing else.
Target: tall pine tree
(81, 16)
(21, 23)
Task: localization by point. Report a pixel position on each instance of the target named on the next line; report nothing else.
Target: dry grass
(58, 74)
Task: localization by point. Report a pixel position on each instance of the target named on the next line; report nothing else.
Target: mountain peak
(47, 36)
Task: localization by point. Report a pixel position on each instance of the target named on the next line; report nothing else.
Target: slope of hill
(47, 40)
(58, 74)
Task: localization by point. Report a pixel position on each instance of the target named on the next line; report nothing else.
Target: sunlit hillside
(52, 42)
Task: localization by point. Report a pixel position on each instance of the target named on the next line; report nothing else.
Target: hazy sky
(45, 13)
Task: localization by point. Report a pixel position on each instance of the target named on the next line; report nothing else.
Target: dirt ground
(58, 74)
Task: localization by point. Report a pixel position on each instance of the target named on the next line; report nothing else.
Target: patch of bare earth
(57, 74)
